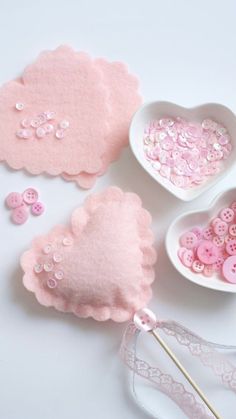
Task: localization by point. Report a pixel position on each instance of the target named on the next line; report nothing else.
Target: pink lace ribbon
(205, 351)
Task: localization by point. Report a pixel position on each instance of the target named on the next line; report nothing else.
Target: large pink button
(231, 247)
(229, 269)
(30, 196)
(20, 215)
(189, 240)
(207, 252)
(37, 208)
(14, 200)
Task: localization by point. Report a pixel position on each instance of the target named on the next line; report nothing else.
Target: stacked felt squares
(67, 115)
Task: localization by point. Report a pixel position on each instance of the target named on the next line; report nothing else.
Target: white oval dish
(189, 220)
(156, 110)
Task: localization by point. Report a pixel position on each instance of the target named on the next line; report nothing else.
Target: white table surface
(54, 365)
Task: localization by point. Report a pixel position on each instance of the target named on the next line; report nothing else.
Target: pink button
(207, 252)
(197, 266)
(221, 228)
(218, 241)
(232, 230)
(215, 221)
(188, 258)
(229, 269)
(145, 320)
(233, 206)
(20, 215)
(30, 196)
(189, 240)
(208, 271)
(227, 215)
(207, 233)
(181, 251)
(37, 208)
(197, 231)
(231, 247)
(218, 264)
(14, 200)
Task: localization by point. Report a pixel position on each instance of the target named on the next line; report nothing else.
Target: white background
(54, 365)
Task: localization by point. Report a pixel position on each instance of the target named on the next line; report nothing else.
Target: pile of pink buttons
(186, 153)
(212, 250)
(20, 203)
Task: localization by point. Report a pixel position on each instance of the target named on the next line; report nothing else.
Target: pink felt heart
(68, 84)
(94, 98)
(101, 266)
(124, 101)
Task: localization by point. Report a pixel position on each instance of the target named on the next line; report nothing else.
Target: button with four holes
(37, 208)
(189, 240)
(229, 269)
(14, 200)
(227, 215)
(20, 214)
(231, 247)
(30, 196)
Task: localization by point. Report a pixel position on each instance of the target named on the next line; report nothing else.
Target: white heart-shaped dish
(156, 110)
(192, 219)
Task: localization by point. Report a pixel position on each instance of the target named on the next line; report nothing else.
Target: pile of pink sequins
(19, 205)
(186, 153)
(212, 250)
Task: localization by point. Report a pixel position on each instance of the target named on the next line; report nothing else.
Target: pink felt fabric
(69, 84)
(124, 100)
(96, 97)
(108, 266)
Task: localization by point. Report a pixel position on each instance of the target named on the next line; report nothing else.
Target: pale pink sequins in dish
(41, 125)
(186, 153)
(212, 250)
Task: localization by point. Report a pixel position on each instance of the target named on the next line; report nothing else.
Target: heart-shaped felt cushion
(101, 266)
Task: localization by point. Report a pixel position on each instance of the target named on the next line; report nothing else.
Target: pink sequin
(192, 151)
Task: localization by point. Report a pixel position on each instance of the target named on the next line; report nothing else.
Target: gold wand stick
(184, 372)
(145, 320)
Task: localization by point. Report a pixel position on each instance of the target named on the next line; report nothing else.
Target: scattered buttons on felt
(41, 125)
(212, 250)
(187, 153)
(18, 204)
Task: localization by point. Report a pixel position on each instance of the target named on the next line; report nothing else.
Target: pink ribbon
(205, 351)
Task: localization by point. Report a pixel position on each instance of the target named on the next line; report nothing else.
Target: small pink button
(221, 228)
(233, 206)
(198, 232)
(215, 221)
(188, 258)
(227, 215)
(218, 241)
(207, 233)
(207, 252)
(189, 240)
(208, 271)
(14, 200)
(229, 269)
(20, 215)
(145, 320)
(37, 208)
(218, 264)
(231, 247)
(30, 196)
(197, 266)
(232, 230)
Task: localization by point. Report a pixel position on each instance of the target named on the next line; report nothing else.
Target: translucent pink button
(229, 269)
(189, 240)
(207, 252)
(30, 196)
(197, 266)
(232, 230)
(20, 215)
(145, 320)
(14, 200)
(37, 208)
(187, 258)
